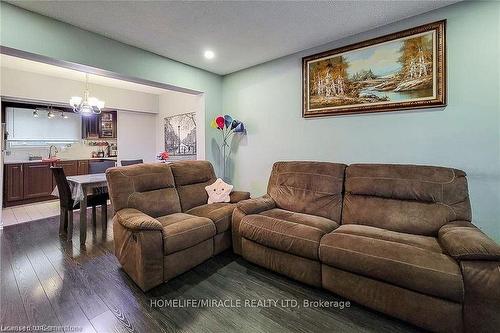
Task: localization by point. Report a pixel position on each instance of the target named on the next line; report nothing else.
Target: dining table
(81, 187)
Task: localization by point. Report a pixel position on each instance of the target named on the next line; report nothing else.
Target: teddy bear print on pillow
(218, 191)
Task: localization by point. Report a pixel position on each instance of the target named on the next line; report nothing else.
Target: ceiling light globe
(209, 54)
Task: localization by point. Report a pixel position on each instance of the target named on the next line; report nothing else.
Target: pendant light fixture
(86, 105)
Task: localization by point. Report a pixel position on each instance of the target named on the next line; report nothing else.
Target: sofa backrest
(191, 177)
(308, 187)
(149, 188)
(405, 198)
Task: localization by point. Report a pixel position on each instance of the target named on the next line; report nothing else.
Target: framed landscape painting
(401, 71)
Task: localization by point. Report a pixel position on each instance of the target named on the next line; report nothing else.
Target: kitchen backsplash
(78, 150)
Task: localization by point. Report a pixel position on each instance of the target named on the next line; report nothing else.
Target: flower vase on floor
(227, 127)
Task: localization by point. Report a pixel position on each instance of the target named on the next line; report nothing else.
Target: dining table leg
(104, 218)
(69, 236)
(83, 219)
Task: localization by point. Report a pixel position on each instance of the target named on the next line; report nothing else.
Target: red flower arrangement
(162, 156)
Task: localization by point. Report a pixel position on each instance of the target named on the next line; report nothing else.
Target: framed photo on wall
(401, 71)
(180, 136)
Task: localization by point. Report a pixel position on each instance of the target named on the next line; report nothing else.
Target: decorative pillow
(218, 191)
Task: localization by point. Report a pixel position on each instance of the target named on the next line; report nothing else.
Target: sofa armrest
(140, 252)
(257, 205)
(481, 304)
(464, 241)
(237, 196)
(244, 208)
(136, 220)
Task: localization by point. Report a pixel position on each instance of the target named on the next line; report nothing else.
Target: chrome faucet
(55, 151)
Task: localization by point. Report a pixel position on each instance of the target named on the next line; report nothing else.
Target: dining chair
(67, 203)
(131, 162)
(101, 166)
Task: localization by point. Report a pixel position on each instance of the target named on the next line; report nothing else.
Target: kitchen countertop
(61, 160)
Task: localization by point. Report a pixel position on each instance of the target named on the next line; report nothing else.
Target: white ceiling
(241, 33)
(25, 65)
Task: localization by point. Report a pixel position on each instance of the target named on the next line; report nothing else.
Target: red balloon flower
(220, 122)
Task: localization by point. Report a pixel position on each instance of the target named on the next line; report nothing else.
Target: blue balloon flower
(234, 124)
(240, 128)
(228, 120)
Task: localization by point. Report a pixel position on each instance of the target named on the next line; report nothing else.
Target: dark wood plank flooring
(48, 281)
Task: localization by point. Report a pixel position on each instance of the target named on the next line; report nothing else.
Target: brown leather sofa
(163, 225)
(395, 238)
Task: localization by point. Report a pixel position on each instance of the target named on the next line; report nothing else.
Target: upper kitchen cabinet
(31, 124)
(107, 125)
(101, 126)
(90, 127)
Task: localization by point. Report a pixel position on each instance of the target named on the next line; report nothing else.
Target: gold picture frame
(401, 71)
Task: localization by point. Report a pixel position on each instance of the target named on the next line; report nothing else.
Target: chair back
(63, 187)
(101, 166)
(131, 162)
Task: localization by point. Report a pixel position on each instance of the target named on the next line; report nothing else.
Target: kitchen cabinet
(13, 182)
(22, 126)
(37, 180)
(70, 167)
(90, 126)
(107, 125)
(33, 181)
(102, 126)
(83, 167)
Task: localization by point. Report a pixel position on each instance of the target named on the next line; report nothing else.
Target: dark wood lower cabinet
(83, 167)
(37, 180)
(31, 182)
(13, 182)
(70, 167)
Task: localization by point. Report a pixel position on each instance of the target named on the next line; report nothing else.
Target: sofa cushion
(291, 237)
(308, 187)
(191, 177)
(394, 260)
(405, 198)
(220, 214)
(181, 231)
(423, 242)
(319, 222)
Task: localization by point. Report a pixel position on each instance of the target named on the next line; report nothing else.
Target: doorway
(141, 107)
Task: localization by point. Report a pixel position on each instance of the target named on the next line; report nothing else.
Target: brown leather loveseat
(163, 225)
(395, 238)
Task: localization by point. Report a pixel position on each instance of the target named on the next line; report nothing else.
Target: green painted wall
(465, 134)
(27, 31)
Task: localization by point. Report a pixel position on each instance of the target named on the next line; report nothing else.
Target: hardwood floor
(48, 281)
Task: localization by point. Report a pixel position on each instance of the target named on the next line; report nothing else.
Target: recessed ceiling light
(209, 54)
